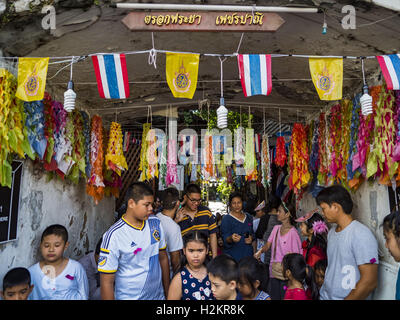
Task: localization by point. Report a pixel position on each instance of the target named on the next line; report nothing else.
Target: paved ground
(217, 207)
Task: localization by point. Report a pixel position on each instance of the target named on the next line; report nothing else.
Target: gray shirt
(355, 245)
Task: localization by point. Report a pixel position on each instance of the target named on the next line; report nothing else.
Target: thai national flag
(111, 76)
(390, 66)
(255, 74)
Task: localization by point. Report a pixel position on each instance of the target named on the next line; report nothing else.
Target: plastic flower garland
(346, 109)
(335, 139)
(380, 161)
(299, 175)
(250, 163)
(323, 150)
(13, 136)
(115, 159)
(280, 156)
(86, 134)
(95, 185)
(49, 126)
(265, 162)
(353, 175)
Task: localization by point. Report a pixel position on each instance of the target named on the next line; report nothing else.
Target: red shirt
(295, 294)
(315, 254)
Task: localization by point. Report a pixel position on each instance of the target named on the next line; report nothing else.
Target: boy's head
(140, 201)
(170, 199)
(223, 274)
(54, 242)
(334, 201)
(17, 284)
(192, 196)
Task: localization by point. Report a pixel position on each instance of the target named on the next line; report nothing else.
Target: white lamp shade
(366, 104)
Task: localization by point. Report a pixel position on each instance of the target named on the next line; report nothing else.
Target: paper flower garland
(148, 154)
(299, 175)
(95, 184)
(354, 174)
(115, 159)
(280, 157)
(250, 163)
(13, 136)
(323, 150)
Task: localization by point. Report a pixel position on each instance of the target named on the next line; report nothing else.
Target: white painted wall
(371, 205)
(45, 203)
(389, 4)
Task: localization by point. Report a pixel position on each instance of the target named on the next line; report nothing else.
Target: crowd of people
(180, 251)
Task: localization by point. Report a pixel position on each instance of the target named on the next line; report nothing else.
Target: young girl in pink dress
(299, 275)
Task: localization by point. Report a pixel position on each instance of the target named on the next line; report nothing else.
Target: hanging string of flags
(254, 72)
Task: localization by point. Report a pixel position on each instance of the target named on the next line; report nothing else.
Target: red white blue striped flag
(111, 76)
(255, 74)
(390, 66)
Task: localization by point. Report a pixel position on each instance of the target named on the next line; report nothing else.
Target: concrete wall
(371, 205)
(44, 203)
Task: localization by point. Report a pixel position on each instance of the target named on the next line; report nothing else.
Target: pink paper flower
(373, 260)
(137, 250)
(70, 277)
(319, 227)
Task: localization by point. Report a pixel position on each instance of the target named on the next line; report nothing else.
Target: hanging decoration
(32, 74)
(144, 164)
(255, 74)
(172, 173)
(86, 134)
(265, 162)
(111, 76)
(390, 66)
(299, 175)
(13, 134)
(380, 160)
(327, 76)
(115, 159)
(95, 185)
(280, 157)
(49, 163)
(181, 73)
(346, 110)
(353, 176)
(323, 150)
(250, 163)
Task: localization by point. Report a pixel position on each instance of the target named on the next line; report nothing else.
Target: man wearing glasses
(194, 216)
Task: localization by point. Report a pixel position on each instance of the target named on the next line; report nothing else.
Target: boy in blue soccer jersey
(133, 262)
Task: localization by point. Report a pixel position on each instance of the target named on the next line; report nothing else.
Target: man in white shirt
(170, 204)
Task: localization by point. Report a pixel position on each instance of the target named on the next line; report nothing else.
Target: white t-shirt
(88, 262)
(70, 284)
(173, 235)
(353, 246)
(132, 254)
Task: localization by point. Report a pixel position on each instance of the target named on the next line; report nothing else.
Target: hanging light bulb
(222, 112)
(366, 99)
(70, 95)
(222, 115)
(324, 26)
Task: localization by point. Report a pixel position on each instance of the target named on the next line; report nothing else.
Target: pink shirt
(295, 294)
(289, 243)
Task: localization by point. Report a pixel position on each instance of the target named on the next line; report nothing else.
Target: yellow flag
(32, 74)
(181, 71)
(327, 75)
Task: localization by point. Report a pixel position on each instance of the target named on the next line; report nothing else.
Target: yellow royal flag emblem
(32, 73)
(181, 71)
(327, 76)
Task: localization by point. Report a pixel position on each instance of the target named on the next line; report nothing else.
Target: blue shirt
(231, 225)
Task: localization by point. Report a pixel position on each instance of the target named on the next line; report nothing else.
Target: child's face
(220, 289)
(18, 292)
(282, 214)
(142, 209)
(393, 245)
(319, 277)
(195, 253)
(246, 289)
(304, 231)
(52, 248)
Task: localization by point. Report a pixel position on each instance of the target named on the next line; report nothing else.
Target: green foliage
(233, 118)
(224, 189)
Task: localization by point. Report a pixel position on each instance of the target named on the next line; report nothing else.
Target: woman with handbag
(284, 239)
